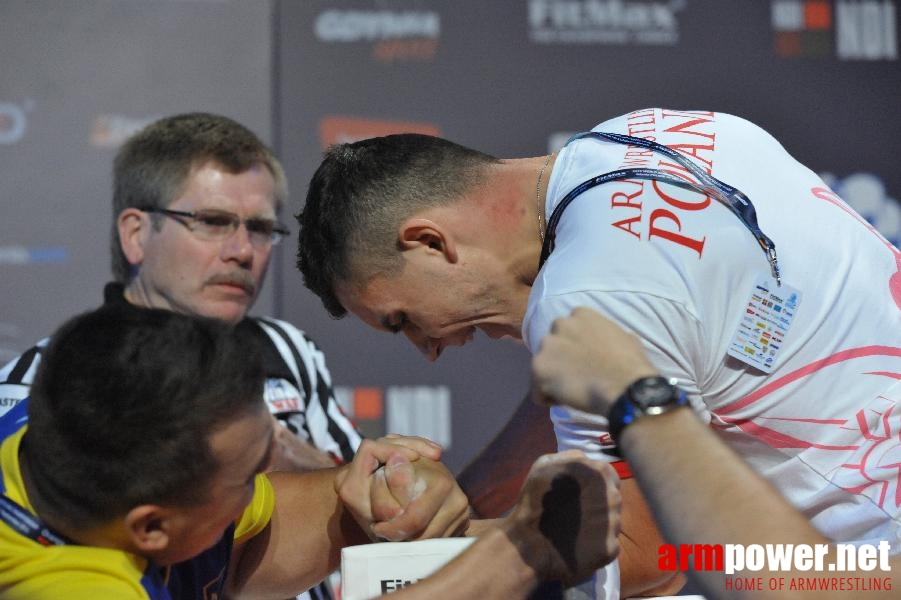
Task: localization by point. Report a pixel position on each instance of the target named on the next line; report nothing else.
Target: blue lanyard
(736, 201)
(29, 525)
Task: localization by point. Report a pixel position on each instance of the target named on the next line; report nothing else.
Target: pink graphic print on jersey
(894, 282)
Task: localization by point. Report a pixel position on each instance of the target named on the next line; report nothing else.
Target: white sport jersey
(680, 270)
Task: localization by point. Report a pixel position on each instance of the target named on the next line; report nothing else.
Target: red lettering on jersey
(621, 199)
(674, 236)
(686, 128)
(637, 158)
(642, 114)
(894, 282)
(626, 225)
(688, 114)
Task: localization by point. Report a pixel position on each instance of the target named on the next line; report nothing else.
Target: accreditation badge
(769, 313)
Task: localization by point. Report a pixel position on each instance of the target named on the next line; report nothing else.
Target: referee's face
(182, 267)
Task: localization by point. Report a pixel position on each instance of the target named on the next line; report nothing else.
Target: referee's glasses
(211, 224)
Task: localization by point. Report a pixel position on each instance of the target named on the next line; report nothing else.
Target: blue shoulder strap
(737, 202)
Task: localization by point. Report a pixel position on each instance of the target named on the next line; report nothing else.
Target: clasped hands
(398, 490)
(564, 526)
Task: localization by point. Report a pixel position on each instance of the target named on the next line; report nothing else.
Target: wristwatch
(647, 396)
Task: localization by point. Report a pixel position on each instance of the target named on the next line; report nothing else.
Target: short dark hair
(153, 165)
(123, 406)
(361, 193)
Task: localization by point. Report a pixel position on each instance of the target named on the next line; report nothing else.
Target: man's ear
(149, 528)
(417, 232)
(134, 229)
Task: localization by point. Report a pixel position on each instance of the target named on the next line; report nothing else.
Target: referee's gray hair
(153, 166)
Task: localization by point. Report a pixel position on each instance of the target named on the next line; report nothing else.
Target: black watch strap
(646, 396)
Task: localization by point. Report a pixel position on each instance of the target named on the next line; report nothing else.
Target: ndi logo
(856, 30)
(605, 22)
(866, 30)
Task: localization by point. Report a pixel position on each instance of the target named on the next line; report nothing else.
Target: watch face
(652, 391)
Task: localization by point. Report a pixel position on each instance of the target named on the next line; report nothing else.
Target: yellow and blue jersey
(30, 570)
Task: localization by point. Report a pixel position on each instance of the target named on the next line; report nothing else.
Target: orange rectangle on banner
(368, 403)
(817, 15)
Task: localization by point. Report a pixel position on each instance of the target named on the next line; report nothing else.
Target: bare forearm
(701, 492)
(640, 540)
(493, 479)
(302, 544)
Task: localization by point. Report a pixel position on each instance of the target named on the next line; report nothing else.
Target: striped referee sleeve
(17, 376)
(329, 428)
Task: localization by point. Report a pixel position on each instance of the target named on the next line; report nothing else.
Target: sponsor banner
(335, 129)
(361, 402)
(364, 405)
(605, 22)
(395, 34)
(22, 255)
(421, 410)
(110, 131)
(845, 29)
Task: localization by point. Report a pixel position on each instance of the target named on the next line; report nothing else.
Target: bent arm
(302, 543)
(640, 542)
(700, 491)
(493, 479)
(563, 527)
(688, 474)
(319, 512)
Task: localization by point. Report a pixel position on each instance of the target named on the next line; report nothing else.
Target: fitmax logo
(647, 22)
(390, 585)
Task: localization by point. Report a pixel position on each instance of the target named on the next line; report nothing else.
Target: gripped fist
(567, 521)
(586, 362)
